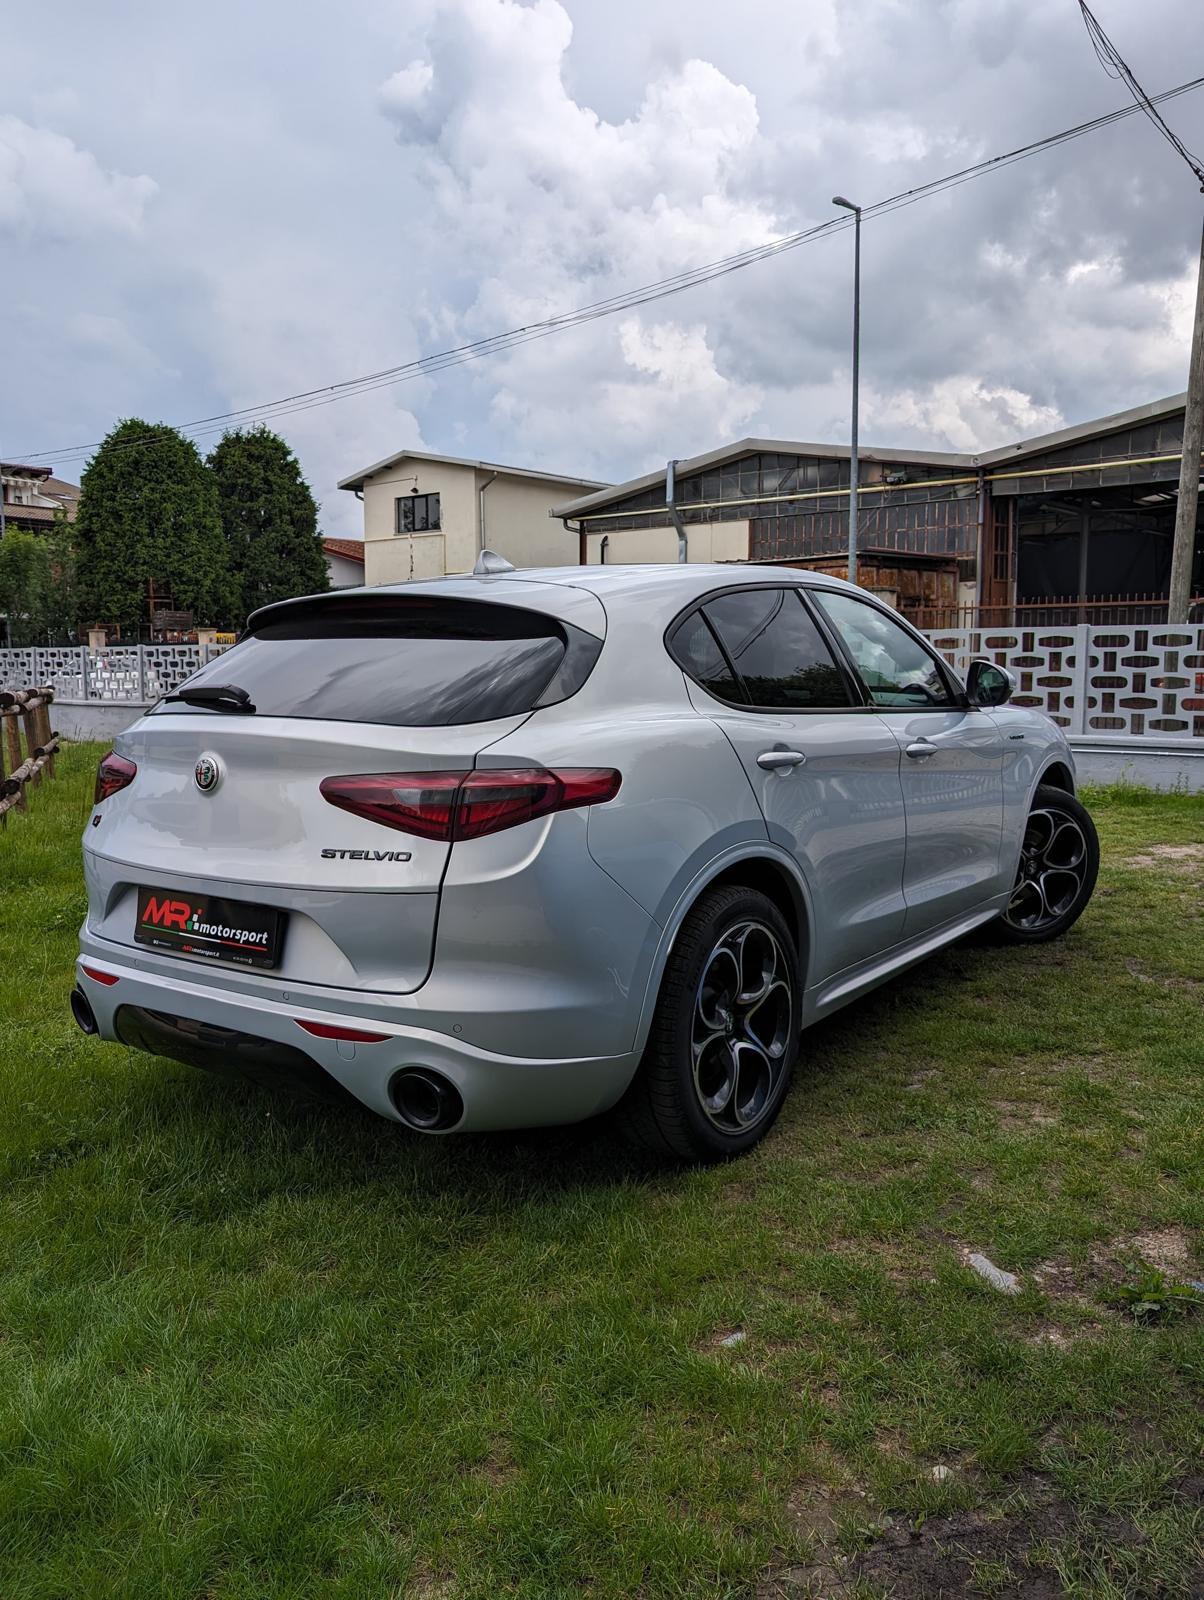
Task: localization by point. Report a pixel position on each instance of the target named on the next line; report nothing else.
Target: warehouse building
(1075, 525)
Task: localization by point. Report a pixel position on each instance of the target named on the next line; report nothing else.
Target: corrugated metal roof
(1099, 427)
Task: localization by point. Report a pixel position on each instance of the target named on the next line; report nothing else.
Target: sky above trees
(207, 208)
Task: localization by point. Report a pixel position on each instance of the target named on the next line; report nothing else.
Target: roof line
(971, 462)
(356, 480)
(750, 446)
(1086, 430)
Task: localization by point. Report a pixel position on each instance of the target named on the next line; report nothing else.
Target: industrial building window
(417, 513)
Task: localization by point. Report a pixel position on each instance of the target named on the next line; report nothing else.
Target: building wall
(343, 572)
(707, 541)
(517, 524)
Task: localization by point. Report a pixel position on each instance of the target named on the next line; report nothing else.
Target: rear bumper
(498, 1091)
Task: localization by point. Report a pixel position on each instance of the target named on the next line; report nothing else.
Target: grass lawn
(252, 1350)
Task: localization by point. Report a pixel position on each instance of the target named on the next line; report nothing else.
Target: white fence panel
(117, 674)
(1132, 680)
(16, 669)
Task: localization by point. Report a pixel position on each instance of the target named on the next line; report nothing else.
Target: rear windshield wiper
(215, 697)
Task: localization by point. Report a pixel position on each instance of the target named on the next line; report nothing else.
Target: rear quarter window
(760, 647)
(409, 662)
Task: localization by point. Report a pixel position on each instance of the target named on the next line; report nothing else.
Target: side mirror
(989, 685)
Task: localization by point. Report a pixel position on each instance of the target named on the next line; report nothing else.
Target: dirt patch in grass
(1182, 858)
(1008, 1554)
(1160, 980)
(919, 1079)
(1167, 1249)
(1020, 1116)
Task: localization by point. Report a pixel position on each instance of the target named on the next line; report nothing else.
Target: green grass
(251, 1350)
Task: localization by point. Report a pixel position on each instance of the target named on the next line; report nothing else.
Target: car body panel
(953, 799)
(840, 814)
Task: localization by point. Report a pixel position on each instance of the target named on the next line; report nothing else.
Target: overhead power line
(628, 300)
(1115, 65)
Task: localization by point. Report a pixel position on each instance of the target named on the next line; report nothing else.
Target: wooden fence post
(9, 708)
(45, 735)
(29, 716)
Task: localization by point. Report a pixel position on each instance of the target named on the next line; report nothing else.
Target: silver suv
(507, 849)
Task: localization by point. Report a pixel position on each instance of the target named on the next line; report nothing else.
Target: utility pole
(1184, 553)
(847, 205)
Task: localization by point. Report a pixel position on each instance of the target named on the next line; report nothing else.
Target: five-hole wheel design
(743, 1010)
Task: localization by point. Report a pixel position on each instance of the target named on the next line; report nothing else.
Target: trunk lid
(367, 681)
(361, 899)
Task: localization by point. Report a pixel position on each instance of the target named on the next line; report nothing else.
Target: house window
(417, 513)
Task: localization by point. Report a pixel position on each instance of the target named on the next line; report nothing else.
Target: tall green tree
(37, 583)
(24, 583)
(269, 517)
(148, 514)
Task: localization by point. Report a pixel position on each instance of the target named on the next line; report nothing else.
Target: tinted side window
(693, 647)
(895, 668)
(778, 651)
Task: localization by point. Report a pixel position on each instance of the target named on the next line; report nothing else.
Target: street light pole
(839, 200)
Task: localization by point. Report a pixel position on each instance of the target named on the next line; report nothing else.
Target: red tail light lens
(468, 805)
(113, 773)
(490, 801)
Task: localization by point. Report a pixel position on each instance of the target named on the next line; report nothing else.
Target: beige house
(428, 515)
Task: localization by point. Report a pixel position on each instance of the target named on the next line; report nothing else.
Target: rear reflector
(468, 805)
(98, 974)
(113, 773)
(324, 1030)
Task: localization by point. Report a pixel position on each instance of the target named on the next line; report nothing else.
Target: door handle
(773, 760)
(922, 749)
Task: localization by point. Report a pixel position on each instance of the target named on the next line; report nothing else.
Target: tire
(1055, 877)
(686, 1101)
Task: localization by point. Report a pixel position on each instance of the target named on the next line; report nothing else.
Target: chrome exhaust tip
(81, 1010)
(426, 1101)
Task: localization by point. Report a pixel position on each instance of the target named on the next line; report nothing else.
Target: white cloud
(960, 412)
(563, 207)
(49, 185)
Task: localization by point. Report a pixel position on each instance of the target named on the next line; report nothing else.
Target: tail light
(468, 805)
(113, 773)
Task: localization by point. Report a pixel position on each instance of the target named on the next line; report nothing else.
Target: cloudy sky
(204, 208)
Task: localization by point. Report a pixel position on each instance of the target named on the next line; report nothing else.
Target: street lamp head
(839, 200)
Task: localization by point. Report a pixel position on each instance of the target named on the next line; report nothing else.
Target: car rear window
(407, 661)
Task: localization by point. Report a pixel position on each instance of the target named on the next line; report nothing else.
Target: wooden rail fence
(28, 711)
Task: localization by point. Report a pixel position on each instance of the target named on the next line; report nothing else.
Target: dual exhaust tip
(425, 1101)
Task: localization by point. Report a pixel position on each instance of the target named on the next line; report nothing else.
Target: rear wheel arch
(708, 1097)
(779, 880)
(776, 883)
